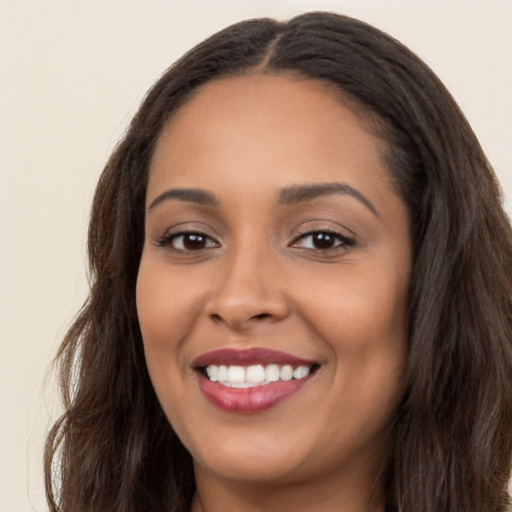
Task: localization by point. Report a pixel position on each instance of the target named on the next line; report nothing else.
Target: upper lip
(264, 356)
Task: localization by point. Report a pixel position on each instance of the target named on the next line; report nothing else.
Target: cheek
(164, 323)
(164, 312)
(357, 308)
(364, 323)
(167, 302)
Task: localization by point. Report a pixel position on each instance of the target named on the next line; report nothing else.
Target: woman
(301, 291)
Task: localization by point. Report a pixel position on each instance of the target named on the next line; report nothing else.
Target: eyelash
(168, 240)
(342, 242)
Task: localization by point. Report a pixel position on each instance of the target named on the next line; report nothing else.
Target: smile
(255, 375)
(252, 380)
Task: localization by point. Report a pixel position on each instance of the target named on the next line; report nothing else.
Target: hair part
(452, 433)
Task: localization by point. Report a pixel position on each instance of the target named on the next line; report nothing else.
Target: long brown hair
(113, 449)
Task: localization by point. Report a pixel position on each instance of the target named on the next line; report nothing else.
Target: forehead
(290, 97)
(256, 122)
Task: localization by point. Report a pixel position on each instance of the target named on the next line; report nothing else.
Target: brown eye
(190, 242)
(193, 242)
(322, 241)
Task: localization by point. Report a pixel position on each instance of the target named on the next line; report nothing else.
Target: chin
(256, 457)
(251, 468)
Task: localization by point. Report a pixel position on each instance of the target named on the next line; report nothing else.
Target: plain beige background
(71, 75)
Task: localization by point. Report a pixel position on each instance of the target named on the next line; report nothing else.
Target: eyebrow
(289, 195)
(299, 193)
(192, 195)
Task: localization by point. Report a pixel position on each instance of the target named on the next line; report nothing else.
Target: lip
(248, 357)
(254, 399)
(249, 400)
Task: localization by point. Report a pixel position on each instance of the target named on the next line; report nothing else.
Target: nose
(248, 293)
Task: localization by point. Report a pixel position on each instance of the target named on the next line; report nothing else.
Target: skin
(261, 280)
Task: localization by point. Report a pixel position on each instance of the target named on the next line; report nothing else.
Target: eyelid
(166, 240)
(343, 240)
(324, 225)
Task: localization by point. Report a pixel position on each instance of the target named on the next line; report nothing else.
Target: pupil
(194, 242)
(323, 240)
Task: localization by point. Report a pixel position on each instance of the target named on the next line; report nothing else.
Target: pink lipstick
(253, 380)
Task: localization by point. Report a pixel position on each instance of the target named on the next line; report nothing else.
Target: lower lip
(249, 400)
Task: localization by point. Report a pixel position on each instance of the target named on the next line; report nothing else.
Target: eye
(322, 241)
(188, 242)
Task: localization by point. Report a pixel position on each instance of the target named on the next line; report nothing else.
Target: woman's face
(276, 248)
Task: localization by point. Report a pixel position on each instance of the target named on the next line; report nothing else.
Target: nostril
(218, 317)
(261, 316)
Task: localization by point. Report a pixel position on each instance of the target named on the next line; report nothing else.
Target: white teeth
(272, 373)
(286, 372)
(301, 372)
(236, 374)
(222, 373)
(254, 375)
(212, 372)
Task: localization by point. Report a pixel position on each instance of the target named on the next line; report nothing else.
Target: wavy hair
(114, 450)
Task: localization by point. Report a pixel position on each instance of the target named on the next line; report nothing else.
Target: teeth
(254, 375)
(236, 374)
(286, 372)
(212, 372)
(222, 373)
(301, 372)
(272, 373)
